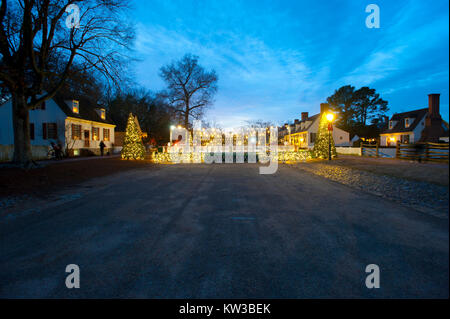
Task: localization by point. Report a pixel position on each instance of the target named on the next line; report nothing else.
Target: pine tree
(321, 143)
(132, 144)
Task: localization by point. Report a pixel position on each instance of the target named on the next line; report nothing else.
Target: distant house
(78, 127)
(422, 125)
(303, 133)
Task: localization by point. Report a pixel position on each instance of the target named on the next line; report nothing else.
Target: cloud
(253, 77)
(275, 61)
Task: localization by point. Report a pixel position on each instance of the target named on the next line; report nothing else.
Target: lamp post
(330, 118)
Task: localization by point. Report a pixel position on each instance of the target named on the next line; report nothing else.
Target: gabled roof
(86, 111)
(309, 119)
(399, 127)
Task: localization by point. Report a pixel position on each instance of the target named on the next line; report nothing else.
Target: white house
(404, 127)
(422, 125)
(77, 126)
(303, 133)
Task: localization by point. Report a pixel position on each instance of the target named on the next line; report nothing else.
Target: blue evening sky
(276, 59)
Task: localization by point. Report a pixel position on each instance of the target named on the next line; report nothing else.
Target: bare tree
(190, 87)
(258, 124)
(39, 45)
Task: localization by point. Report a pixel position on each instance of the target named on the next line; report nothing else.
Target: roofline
(391, 133)
(88, 121)
(416, 110)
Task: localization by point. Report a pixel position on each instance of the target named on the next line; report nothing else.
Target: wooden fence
(370, 150)
(433, 152)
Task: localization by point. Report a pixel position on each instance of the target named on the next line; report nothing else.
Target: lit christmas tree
(132, 144)
(321, 143)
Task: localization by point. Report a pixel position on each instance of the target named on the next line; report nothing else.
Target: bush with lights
(321, 144)
(133, 148)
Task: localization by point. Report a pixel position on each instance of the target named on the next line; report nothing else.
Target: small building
(421, 125)
(79, 127)
(303, 133)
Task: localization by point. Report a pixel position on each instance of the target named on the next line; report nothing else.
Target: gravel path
(425, 197)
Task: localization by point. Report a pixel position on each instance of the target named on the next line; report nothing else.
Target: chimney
(433, 122)
(296, 121)
(433, 105)
(324, 107)
(304, 116)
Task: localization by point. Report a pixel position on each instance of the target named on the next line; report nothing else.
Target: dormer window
(391, 124)
(101, 112)
(75, 107)
(406, 123)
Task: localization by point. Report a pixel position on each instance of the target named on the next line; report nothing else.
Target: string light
(132, 144)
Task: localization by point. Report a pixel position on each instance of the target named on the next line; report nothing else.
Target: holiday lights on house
(215, 145)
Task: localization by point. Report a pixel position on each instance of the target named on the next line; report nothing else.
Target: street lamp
(330, 119)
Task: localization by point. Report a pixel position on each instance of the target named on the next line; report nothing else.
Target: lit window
(106, 134)
(75, 107)
(95, 134)
(103, 114)
(406, 123)
(391, 124)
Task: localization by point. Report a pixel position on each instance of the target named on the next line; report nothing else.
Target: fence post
(377, 149)
(427, 151)
(397, 150)
(361, 145)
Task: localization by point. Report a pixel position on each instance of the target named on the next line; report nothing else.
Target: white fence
(348, 150)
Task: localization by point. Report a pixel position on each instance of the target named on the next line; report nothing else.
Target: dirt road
(220, 231)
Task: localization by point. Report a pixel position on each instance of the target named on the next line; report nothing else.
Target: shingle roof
(310, 119)
(418, 115)
(86, 111)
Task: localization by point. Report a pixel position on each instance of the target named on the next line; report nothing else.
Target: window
(391, 124)
(76, 132)
(406, 123)
(405, 139)
(75, 107)
(52, 132)
(95, 134)
(103, 114)
(312, 137)
(49, 131)
(32, 131)
(106, 134)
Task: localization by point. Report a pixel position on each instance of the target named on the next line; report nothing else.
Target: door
(86, 138)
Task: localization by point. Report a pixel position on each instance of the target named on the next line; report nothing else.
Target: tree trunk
(21, 125)
(186, 118)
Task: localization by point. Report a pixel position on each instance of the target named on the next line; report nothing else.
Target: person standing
(102, 147)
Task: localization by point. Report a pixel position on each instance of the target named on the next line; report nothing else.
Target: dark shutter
(56, 131)
(44, 131)
(32, 131)
(43, 105)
